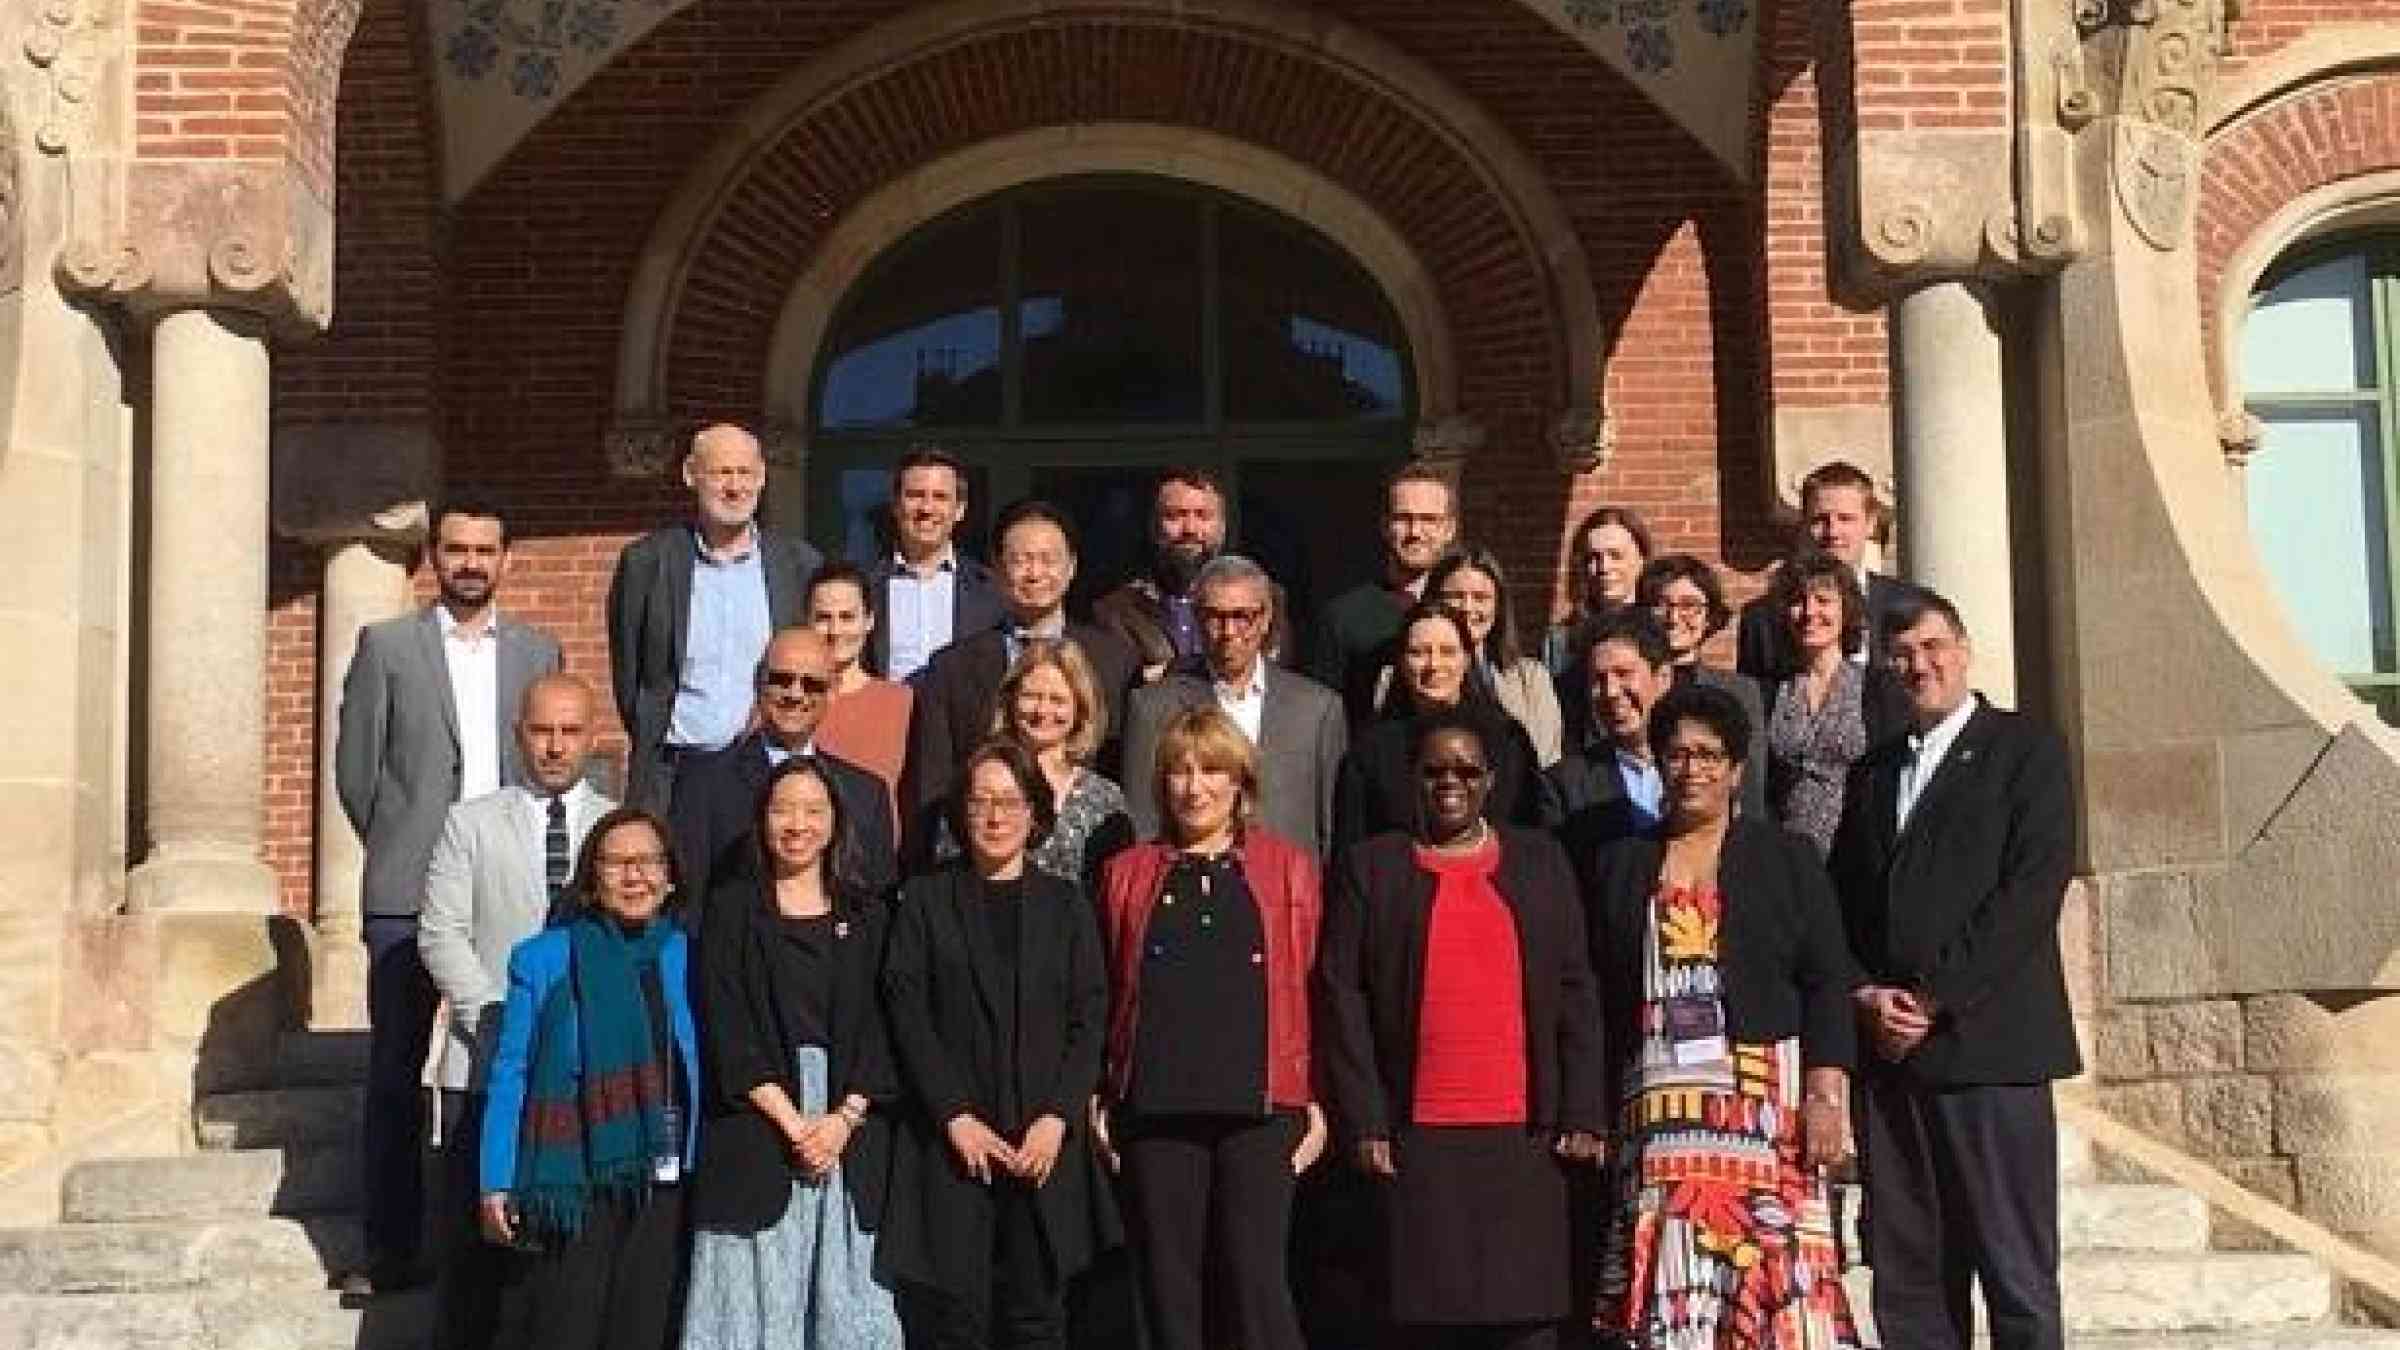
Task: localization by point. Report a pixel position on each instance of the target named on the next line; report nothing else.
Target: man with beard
(424, 724)
(1156, 614)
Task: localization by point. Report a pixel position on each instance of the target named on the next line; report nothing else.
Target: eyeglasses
(1232, 618)
(1464, 773)
(814, 685)
(1684, 607)
(1697, 759)
(631, 862)
(998, 808)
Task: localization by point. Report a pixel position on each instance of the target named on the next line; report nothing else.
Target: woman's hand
(1312, 1141)
(1825, 1118)
(1102, 1142)
(819, 1145)
(1582, 1147)
(1039, 1153)
(979, 1150)
(498, 1228)
(1374, 1157)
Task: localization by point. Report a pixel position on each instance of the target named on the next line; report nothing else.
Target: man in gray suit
(1296, 723)
(425, 712)
(503, 861)
(691, 607)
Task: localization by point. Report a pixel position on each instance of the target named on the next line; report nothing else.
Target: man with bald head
(503, 861)
(689, 610)
(717, 799)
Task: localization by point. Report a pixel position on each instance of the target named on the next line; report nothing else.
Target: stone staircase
(2142, 1271)
(232, 1246)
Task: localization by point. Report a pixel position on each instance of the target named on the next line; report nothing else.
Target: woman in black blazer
(1376, 787)
(1458, 1032)
(1719, 949)
(798, 1088)
(998, 998)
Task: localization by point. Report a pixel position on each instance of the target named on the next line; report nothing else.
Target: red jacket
(1283, 880)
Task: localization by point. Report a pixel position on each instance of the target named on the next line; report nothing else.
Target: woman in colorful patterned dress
(1720, 953)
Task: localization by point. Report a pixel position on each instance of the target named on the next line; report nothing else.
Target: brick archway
(1385, 138)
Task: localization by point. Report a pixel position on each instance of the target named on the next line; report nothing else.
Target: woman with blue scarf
(589, 1133)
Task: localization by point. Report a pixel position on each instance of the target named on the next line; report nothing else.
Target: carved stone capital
(70, 47)
(340, 481)
(785, 445)
(1449, 440)
(245, 236)
(643, 446)
(2240, 435)
(2149, 70)
(1582, 439)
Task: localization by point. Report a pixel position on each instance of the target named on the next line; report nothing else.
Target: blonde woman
(1050, 703)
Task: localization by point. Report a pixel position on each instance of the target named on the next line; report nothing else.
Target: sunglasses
(1464, 773)
(790, 680)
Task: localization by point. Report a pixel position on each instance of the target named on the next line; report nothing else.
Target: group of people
(960, 973)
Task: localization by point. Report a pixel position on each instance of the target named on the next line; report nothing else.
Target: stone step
(321, 1059)
(2076, 1160)
(235, 1320)
(245, 1254)
(2296, 1338)
(318, 1179)
(2215, 1291)
(2125, 1217)
(279, 1117)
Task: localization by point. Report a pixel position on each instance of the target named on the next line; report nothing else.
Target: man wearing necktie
(499, 871)
(1952, 860)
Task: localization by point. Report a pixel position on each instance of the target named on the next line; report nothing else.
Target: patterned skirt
(1721, 1239)
(807, 1283)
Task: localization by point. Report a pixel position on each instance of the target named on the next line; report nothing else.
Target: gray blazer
(1303, 734)
(396, 760)
(484, 894)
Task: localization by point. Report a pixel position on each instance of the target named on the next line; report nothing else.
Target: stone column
(205, 739)
(1950, 447)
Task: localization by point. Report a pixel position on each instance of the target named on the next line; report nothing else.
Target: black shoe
(378, 1278)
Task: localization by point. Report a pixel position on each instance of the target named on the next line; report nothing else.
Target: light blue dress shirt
(1643, 787)
(923, 613)
(727, 631)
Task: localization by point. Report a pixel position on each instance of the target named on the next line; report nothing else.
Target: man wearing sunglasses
(717, 798)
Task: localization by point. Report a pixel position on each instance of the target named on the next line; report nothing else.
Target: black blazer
(974, 606)
(1370, 982)
(1780, 957)
(1963, 905)
(649, 615)
(1374, 790)
(744, 1182)
(1763, 640)
(954, 714)
(950, 1002)
(1585, 808)
(714, 816)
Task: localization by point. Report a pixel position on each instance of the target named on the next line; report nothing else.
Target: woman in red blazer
(1209, 1099)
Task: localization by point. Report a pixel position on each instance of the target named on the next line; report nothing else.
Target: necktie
(554, 843)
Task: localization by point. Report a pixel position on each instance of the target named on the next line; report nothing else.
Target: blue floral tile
(1649, 48)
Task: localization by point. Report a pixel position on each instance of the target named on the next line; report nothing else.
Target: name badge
(1695, 1027)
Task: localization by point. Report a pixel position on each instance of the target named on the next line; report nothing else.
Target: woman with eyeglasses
(1471, 584)
(1610, 546)
(800, 1087)
(589, 1132)
(1050, 704)
(1726, 982)
(997, 996)
(1376, 787)
(1460, 1034)
(1683, 594)
(1825, 715)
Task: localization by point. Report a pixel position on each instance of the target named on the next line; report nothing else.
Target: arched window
(1068, 338)
(2318, 364)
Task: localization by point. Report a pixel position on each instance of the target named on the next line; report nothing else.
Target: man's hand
(1896, 1020)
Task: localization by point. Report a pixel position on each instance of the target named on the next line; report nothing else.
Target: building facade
(2108, 290)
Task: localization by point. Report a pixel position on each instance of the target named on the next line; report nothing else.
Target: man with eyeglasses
(1296, 723)
(717, 799)
(689, 610)
(1034, 550)
(1358, 633)
(1609, 787)
(1158, 614)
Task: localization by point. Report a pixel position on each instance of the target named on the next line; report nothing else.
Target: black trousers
(1523, 1336)
(469, 1271)
(1025, 1307)
(1213, 1193)
(1962, 1188)
(618, 1285)
(400, 1005)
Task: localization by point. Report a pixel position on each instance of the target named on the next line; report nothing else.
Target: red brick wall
(1930, 65)
(239, 79)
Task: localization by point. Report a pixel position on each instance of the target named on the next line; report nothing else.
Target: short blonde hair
(1205, 737)
(1091, 715)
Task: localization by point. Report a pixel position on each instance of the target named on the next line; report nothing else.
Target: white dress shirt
(923, 612)
(1927, 750)
(536, 808)
(1245, 703)
(474, 663)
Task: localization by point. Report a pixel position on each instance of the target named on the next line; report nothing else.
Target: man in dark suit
(1839, 513)
(1356, 634)
(1158, 614)
(691, 607)
(1952, 860)
(425, 713)
(1035, 544)
(1608, 787)
(928, 593)
(1296, 723)
(717, 799)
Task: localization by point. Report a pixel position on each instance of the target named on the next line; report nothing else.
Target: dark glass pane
(1111, 511)
(919, 345)
(1112, 306)
(1312, 524)
(1308, 337)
